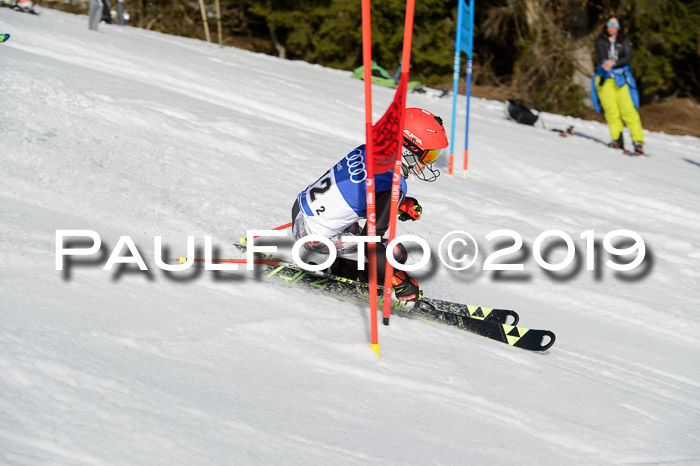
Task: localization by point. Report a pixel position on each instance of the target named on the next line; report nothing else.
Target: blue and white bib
(338, 199)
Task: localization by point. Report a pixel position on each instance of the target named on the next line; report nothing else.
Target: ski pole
(182, 260)
(349, 281)
(281, 227)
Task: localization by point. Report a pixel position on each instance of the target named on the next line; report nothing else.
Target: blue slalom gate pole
(455, 86)
(464, 41)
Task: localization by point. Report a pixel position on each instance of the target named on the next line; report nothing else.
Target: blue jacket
(621, 76)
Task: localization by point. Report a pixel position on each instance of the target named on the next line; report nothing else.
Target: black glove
(406, 289)
(410, 210)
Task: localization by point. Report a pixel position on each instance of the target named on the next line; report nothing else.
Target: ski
(495, 324)
(565, 133)
(4, 37)
(569, 131)
(486, 322)
(348, 289)
(502, 316)
(634, 154)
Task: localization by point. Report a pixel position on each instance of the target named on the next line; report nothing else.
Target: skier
(614, 84)
(333, 205)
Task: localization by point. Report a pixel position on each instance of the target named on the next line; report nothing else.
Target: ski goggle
(426, 157)
(616, 26)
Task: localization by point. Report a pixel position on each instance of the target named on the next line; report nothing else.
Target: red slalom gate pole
(369, 158)
(396, 182)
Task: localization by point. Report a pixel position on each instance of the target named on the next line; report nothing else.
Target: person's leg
(630, 114)
(346, 268)
(106, 12)
(607, 93)
(345, 264)
(400, 255)
(299, 227)
(313, 252)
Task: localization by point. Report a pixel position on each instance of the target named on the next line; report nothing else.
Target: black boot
(619, 143)
(638, 148)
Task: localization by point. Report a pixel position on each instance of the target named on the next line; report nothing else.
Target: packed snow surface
(133, 132)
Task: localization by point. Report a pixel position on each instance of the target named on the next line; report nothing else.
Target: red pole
(369, 157)
(466, 158)
(181, 260)
(281, 227)
(396, 182)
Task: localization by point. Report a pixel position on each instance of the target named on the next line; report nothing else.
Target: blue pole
(455, 83)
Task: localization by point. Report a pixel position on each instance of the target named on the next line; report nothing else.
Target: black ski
(495, 324)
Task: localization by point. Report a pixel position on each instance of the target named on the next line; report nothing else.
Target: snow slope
(131, 132)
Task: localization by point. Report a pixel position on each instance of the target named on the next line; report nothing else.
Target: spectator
(614, 85)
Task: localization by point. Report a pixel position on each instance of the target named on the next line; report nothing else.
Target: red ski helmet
(424, 138)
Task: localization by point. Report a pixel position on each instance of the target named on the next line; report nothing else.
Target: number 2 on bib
(319, 187)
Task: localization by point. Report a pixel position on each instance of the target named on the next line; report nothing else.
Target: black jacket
(623, 50)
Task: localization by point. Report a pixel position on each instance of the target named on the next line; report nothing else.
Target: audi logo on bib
(356, 167)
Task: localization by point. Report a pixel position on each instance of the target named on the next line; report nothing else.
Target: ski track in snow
(132, 132)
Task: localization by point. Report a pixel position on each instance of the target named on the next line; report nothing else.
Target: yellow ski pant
(618, 106)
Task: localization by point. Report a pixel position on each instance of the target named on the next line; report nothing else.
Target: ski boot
(617, 143)
(638, 148)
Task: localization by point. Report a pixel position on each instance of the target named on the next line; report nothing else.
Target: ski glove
(406, 289)
(410, 210)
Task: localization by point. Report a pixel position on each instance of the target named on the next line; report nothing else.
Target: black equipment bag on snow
(516, 110)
